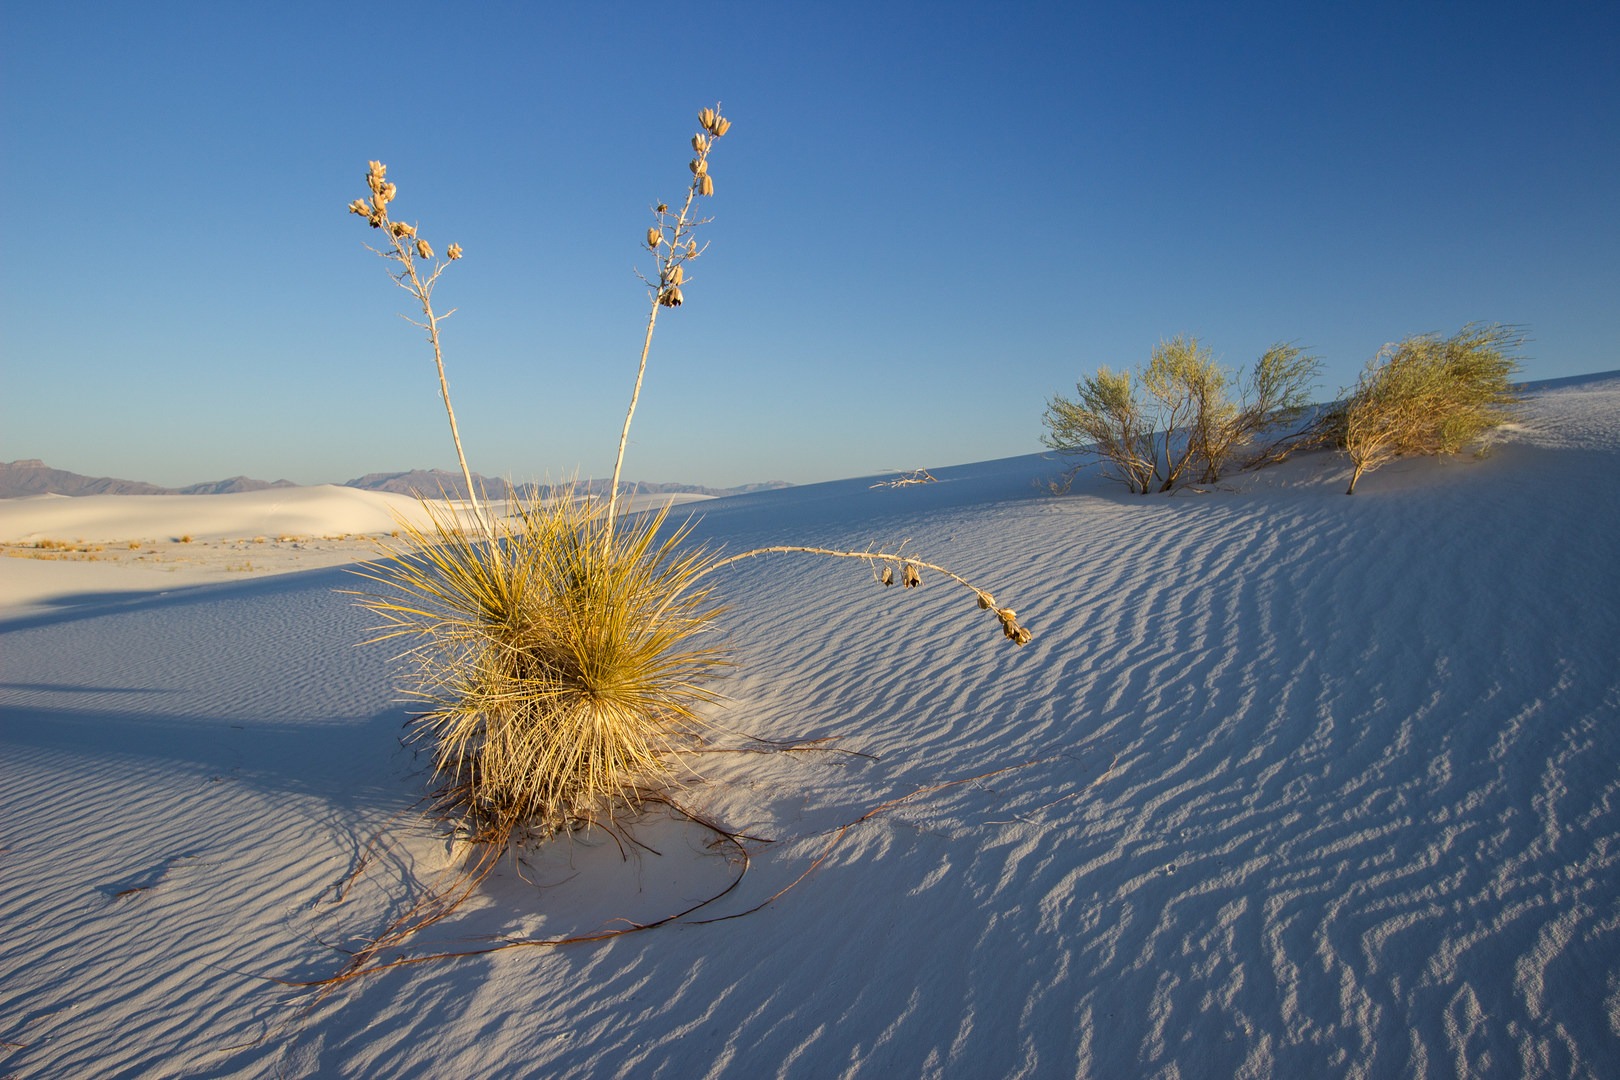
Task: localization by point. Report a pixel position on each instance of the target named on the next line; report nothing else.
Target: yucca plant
(558, 678)
(560, 655)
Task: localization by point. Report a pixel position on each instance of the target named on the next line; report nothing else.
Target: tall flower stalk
(405, 247)
(671, 243)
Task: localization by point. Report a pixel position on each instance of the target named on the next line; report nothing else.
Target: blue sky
(928, 219)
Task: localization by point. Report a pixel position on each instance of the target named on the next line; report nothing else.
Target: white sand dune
(143, 543)
(1288, 784)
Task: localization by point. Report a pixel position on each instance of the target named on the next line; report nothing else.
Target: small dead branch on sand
(915, 476)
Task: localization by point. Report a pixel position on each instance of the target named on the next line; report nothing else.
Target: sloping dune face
(1288, 784)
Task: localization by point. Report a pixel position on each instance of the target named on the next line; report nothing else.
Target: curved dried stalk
(909, 577)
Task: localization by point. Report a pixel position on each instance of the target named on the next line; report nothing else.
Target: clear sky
(929, 217)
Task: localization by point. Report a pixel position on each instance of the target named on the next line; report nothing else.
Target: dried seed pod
(675, 275)
(388, 192)
(909, 576)
(671, 297)
(707, 118)
(698, 167)
(1015, 633)
(423, 250)
(705, 185)
(453, 252)
(361, 207)
(663, 208)
(986, 601)
(654, 237)
(700, 142)
(888, 575)
(721, 126)
(691, 249)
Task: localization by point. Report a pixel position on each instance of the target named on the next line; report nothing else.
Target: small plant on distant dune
(561, 654)
(908, 479)
(1429, 395)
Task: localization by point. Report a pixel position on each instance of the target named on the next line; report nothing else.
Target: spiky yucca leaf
(559, 666)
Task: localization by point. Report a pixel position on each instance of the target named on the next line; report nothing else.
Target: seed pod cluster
(375, 211)
(714, 126)
(668, 239)
(1015, 633)
(713, 122)
(910, 576)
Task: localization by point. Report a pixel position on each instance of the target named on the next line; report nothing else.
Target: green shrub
(1184, 426)
(1105, 419)
(1429, 395)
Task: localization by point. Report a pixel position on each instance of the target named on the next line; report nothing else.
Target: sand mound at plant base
(1288, 784)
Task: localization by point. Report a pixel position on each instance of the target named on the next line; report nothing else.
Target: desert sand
(1288, 784)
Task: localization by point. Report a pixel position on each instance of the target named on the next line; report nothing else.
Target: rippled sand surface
(1288, 784)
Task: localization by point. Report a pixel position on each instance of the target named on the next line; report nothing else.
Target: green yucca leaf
(557, 666)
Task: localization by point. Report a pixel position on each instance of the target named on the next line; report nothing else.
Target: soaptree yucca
(557, 679)
(560, 655)
(1430, 395)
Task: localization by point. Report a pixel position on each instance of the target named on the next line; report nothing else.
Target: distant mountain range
(33, 477)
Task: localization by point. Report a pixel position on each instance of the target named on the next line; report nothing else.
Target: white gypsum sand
(175, 540)
(1288, 784)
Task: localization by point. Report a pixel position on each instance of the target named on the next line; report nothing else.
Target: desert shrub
(1189, 395)
(1105, 419)
(560, 655)
(1430, 395)
(1184, 425)
(1271, 419)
